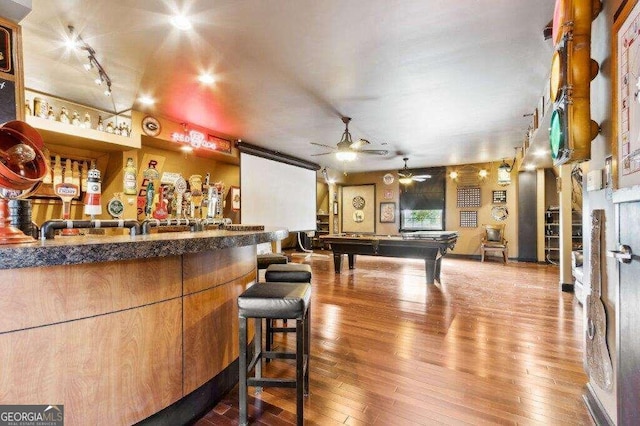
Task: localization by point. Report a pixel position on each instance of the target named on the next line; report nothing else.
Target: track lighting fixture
(92, 61)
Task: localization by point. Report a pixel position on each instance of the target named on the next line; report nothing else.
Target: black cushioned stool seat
(290, 272)
(274, 300)
(266, 259)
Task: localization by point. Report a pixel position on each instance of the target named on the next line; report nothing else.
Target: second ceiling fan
(347, 149)
(406, 176)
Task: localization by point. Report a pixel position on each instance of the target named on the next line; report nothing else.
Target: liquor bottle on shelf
(50, 114)
(75, 119)
(100, 126)
(110, 128)
(27, 108)
(64, 116)
(87, 121)
(40, 107)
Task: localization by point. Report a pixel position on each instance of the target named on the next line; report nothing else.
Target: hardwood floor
(491, 344)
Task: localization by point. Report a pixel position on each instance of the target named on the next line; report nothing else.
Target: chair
(272, 301)
(494, 241)
(289, 273)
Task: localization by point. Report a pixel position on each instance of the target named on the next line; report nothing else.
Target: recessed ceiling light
(529, 167)
(146, 100)
(206, 79)
(541, 153)
(181, 22)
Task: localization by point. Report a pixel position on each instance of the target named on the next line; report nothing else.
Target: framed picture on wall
(358, 209)
(499, 197)
(235, 198)
(626, 109)
(387, 212)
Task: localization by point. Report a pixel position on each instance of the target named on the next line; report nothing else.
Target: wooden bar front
(117, 342)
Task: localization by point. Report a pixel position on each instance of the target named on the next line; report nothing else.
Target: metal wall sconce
(504, 170)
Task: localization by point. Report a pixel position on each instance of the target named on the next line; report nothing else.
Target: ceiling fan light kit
(405, 176)
(346, 156)
(347, 150)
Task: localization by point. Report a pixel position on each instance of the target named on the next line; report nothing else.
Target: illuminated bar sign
(198, 140)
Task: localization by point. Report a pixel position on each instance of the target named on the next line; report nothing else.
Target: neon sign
(199, 140)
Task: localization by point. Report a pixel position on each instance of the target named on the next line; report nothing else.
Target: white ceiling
(442, 82)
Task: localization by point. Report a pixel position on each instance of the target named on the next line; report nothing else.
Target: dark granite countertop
(90, 248)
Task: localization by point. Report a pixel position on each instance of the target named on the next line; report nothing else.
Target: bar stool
(275, 300)
(289, 273)
(266, 259)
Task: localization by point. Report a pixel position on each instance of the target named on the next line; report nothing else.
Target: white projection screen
(276, 194)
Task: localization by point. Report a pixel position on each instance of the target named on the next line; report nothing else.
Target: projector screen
(276, 194)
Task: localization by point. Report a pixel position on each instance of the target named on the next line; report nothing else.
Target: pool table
(428, 245)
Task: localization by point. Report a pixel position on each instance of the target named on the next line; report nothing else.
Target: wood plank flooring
(490, 344)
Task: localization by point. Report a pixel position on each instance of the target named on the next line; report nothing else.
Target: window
(422, 204)
(422, 220)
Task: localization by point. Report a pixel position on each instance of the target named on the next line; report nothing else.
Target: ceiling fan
(347, 149)
(406, 177)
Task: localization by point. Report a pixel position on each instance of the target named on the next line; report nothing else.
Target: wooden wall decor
(116, 342)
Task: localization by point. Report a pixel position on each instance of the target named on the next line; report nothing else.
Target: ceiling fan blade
(374, 151)
(323, 153)
(422, 177)
(359, 143)
(323, 145)
(404, 175)
(418, 179)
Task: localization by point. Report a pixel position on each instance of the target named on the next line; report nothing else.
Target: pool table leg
(438, 264)
(337, 262)
(431, 267)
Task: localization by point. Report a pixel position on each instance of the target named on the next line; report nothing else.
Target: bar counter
(124, 329)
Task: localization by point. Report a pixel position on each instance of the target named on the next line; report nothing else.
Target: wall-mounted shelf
(552, 235)
(57, 133)
(322, 228)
